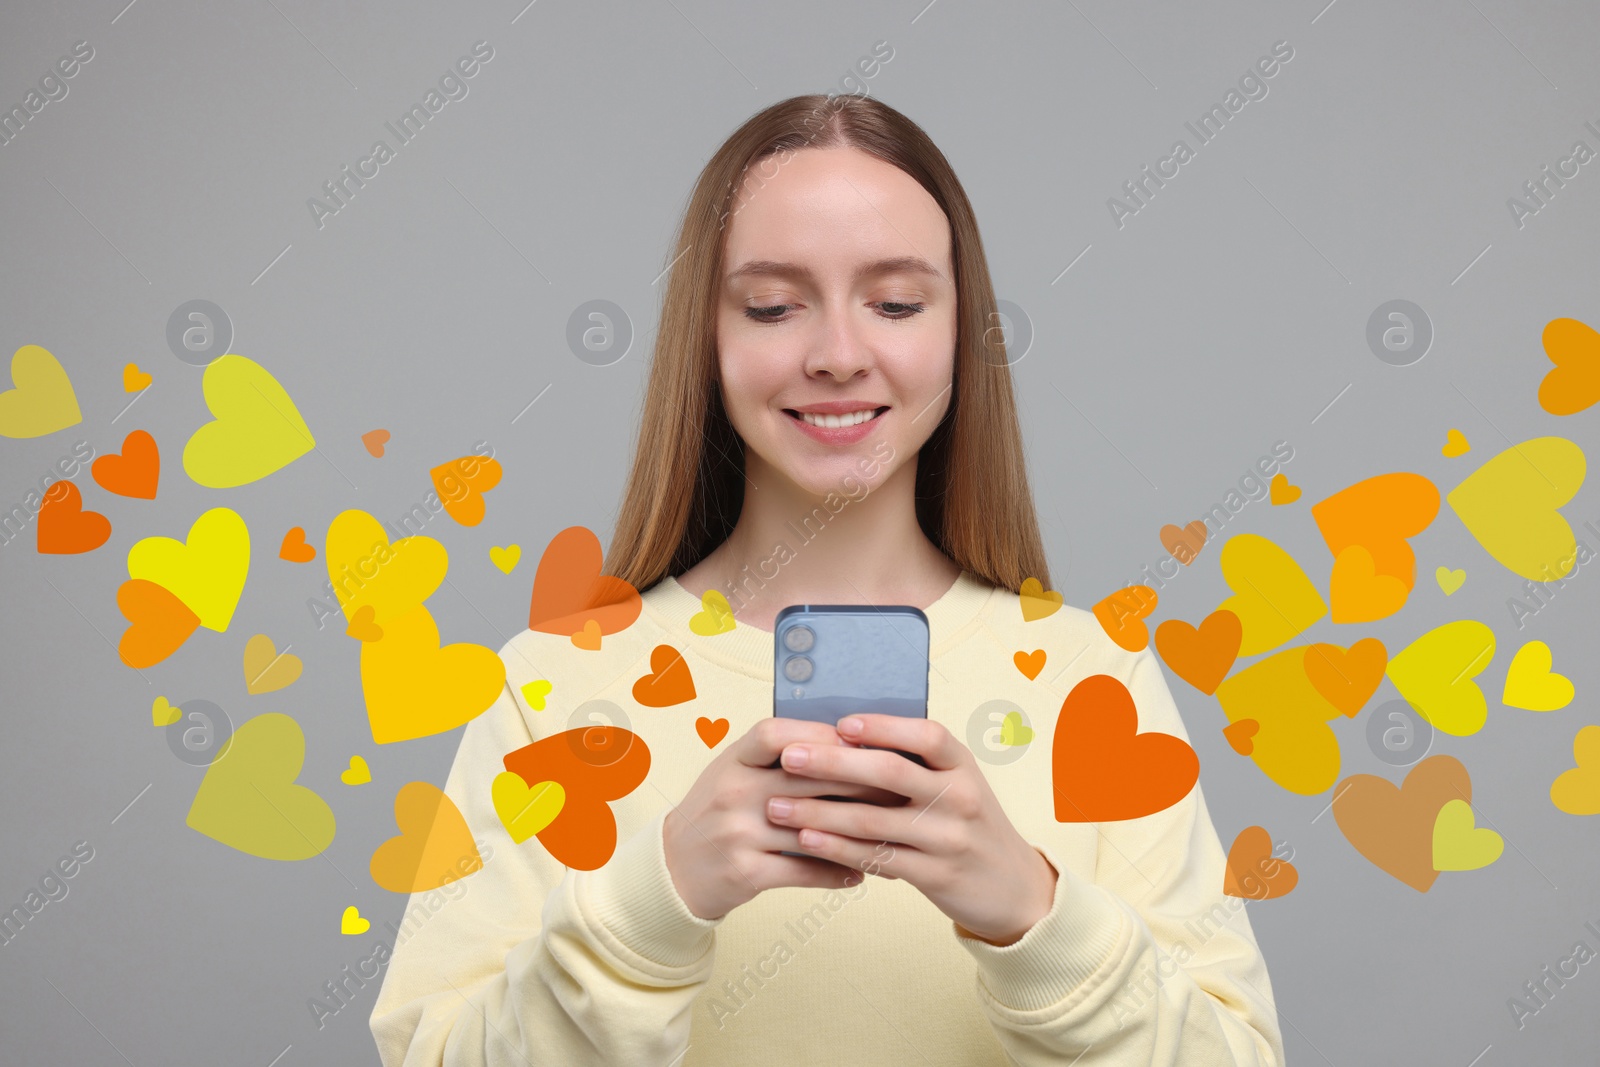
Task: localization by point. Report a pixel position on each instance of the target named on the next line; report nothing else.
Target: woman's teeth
(837, 421)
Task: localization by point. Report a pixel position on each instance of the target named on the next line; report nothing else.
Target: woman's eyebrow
(893, 265)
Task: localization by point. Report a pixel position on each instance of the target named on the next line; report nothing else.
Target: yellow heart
(414, 688)
(352, 922)
(366, 570)
(1450, 580)
(1531, 685)
(1434, 673)
(256, 430)
(43, 401)
(248, 799)
(1292, 742)
(357, 774)
(505, 558)
(716, 616)
(525, 810)
(1576, 791)
(1273, 598)
(1358, 592)
(265, 668)
(1282, 491)
(1455, 444)
(206, 570)
(1037, 603)
(1509, 505)
(1012, 730)
(1460, 846)
(163, 713)
(535, 692)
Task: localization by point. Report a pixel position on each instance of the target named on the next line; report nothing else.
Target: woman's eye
(894, 310)
(766, 314)
(906, 312)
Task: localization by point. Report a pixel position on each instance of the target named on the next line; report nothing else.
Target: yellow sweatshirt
(1141, 959)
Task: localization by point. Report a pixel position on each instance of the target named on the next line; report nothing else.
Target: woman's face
(838, 297)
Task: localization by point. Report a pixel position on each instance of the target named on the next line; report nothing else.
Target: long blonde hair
(686, 486)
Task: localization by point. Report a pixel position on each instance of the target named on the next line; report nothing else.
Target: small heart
(434, 846)
(524, 810)
(535, 692)
(1455, 444)
(1282, 491)
(1252, 872)
(505, 558)
(352, 922)
(362, 627)
(1450, 580)
(64, 527)
(43, 401)
(135, 472)
(294, 547)
(1013, 731)
(1029, 663)
(1358, 593)
(461, 484)
(1201, 656)
(1239, 735)
(1574, 383)
(1347, 679)
(711, 731)
(669, 681)
(159, 623)
(1037, 602)
(1458, 845)
(1122, 616)
(588, 637)
(1434, 673)
(1184, 544)
(357, 774)
(1531, 685)
(1576, 790)
(375, 440)
(134, 379)
(716, 616)
(266, 669)
(163, 713)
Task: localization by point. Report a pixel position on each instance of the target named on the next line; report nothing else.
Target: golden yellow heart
(716, 616)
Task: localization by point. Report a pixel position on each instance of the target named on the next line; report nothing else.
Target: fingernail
(850, 726)
(795, 756)
(780, 807)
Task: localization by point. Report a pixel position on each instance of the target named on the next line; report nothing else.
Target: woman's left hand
(951, 840)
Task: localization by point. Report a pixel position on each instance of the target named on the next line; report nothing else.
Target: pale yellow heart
(248, 799)
(505, 558)
(43, 401)
(1012, 730)
(265, 668)
(1434, 673)
(1273, 598)
(716, 616)
(1037, 602)
(352, 922)
(206, 570)
(256, 430)
(358, 773)
(1460, 846)
(1576, 790)
(534, 693)
(163, 713)
(1509, 505)
(1531, 685)
(1450, 580)
(524, 810)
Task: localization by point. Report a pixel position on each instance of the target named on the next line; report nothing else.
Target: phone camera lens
(799, 639)
(797, 668)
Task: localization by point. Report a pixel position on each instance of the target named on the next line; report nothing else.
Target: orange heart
(1103, 769)
(1239, 735)
(711, 732)
(568, 588)
(1358, 593)
(64, 527)
(1347, 679)
(363, 624)
(1393, 827)
(1379, 514)
(1281, 491)
(295, 550)
(1574, 384)
(1184, 544)
(595, 765)
(1201, 656)
(160, 622)
(135, 380)
(375, 440)
(461, 484)
(588, 637)
(133, 473)
(434, 846)
(1252, 871)
(1122, 616)
(1029, 663)
(669, 681)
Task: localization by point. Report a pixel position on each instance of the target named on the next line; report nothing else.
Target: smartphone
(830, 660)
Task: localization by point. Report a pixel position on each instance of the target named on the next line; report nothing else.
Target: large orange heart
(1102, 769)
(1393, 827)
(434, 846)
(135, 472)
(161, 622)
(669, 681)
(1574, 383)
(1201, 656)
(1122, 616)
(1379, 514)
(595, 765)
(64, 526)
(1347, 679)
(568, 588)
(461, 484)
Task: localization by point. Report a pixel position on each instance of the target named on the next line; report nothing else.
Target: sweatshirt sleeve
(531, 963)
(1151, 963)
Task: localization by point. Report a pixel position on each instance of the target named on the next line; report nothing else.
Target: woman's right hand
(722, 850)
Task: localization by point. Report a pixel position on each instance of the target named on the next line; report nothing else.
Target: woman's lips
(837, 435)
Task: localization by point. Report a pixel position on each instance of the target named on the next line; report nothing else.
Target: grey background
(1225, 316)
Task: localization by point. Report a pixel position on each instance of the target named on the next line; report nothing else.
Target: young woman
(829, 419)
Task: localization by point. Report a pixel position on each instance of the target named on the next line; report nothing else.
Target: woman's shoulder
(1036, 619)
(582, 643)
